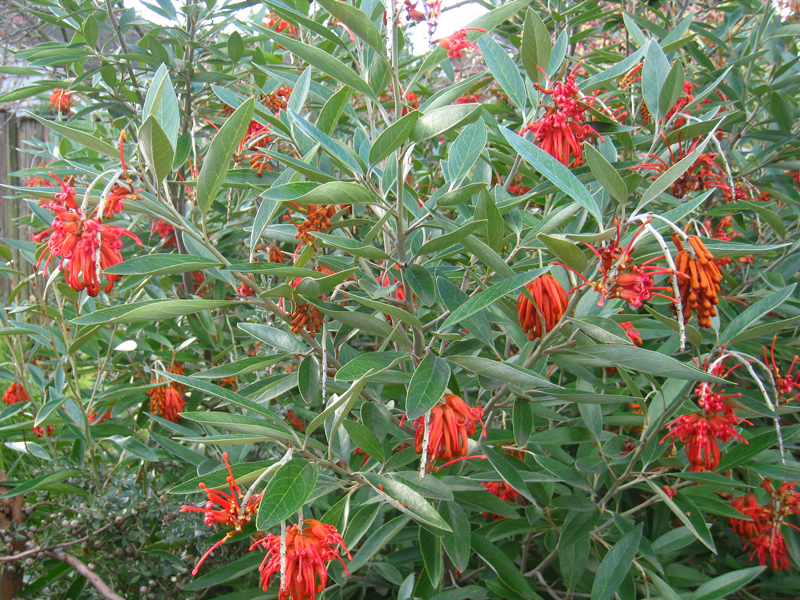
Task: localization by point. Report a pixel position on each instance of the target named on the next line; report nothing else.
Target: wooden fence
(15, 133)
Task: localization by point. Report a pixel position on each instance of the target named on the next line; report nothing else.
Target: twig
(92, 577)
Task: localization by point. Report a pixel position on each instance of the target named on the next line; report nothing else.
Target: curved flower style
(769, 547)
(308, 553)
(15, 393)
(229, 511)
(541, 316)
(451, 425)
(699, 281)
(633, 333)
(784, 384)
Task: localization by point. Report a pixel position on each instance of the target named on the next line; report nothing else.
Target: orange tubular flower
(550, 304)
(275, 254)
(318, 218)
(294, 421)
(699, 282)
(229, 511)
(15, 393)
(167, 400)
(632, 332)
(749, 507)
(60, 100)
(457, 42)
(230, 382)
(308, 553)
(451, 425)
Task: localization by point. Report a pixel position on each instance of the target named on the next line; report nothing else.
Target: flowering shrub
(513, 318)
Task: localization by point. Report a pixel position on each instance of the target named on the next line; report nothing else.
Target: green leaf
(755, 312)
(505, 71)
(394, 136)
(178, 450)
(448, 240)
(370, 364)
(38, 482)
(721, 586)
(739, 454)
(309, 378)
(507, 470)
(501, 371)
(358, 22)
(376, 542)
(333, 192)
(351, 246)
(162, 103)
(553, 171)
(452, 297)
(220, 151)
(388, 309)
(332, 110)
(147, 311)
(341, 404)
(602, 329)
(506, 570)
(230, 571)
(456, 542)
(286, 492)
(565, 251)
(458, 195)
(244, 366)
(406, 500)
(446, 118)
(430, 546)
(672, 89)
(133, 446)
(345, 157)
(84, 139)
(696, 525)
(606, 174)
(490, 295)
(616, 564)
(640, 360)
(365, 439)
(536, 45)
(235, 46)
(275, 338)
(427, 385)
(522, 420)
(323, 61)
(155, 146)
(654, 74)
(464, 152)
(217, 479)
(161, 264)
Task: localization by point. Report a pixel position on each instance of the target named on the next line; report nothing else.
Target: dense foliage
(514, 318)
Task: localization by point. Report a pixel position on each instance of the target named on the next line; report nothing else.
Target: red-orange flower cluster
(451, 425)
(458, 41)
(560, 132)
(702, 432)
(308, 553)
(550, 304)
(228, 510)
(165, 231)
(83, 241)
(61, 100)
(699, 282)
(15, 393)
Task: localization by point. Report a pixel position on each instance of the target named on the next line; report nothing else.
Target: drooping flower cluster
(167, 400)
(15, 393)
(561, 131)
(702, 432)
(549, 305)
(84, 244)
(451, 425)
(308, 553)
(699, 280)
(225, 508)
(318, 218)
